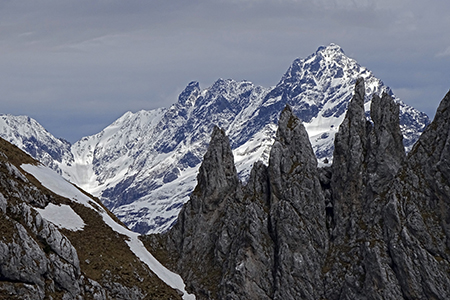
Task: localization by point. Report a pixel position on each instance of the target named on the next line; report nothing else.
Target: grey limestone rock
(374, 225)
(418, 213)
(259, 241)
(217, 175)
(39, 260)
(210, 221)
(297, 213)
(367, 157)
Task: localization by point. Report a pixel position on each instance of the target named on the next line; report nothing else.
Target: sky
(76, 66)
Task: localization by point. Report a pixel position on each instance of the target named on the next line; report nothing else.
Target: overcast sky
(76, 66)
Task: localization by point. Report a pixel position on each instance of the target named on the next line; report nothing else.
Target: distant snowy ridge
(27, 134)
(144, 165)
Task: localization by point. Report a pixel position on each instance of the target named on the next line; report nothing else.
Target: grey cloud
(92, 61)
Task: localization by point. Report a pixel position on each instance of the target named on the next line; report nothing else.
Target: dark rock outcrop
(366, 159)
(418, 214)
(374, 225)
(235, 242)
(297, 212)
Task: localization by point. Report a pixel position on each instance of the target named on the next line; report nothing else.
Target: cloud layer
(76, 66)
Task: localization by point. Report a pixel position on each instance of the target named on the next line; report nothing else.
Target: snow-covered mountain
(31, 137)
(144, 165)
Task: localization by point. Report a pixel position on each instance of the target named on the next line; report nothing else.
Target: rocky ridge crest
(373, 225)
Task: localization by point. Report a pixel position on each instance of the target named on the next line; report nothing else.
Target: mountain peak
(325, 64)
(143, 156)
(330, 49)
(190, 93)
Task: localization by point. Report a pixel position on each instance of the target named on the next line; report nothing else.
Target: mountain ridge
(373, 225)
(143, 166)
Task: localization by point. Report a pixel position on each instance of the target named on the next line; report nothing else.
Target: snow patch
(54, 182)
(63, 216)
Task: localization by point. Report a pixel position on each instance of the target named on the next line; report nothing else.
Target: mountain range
(143, 166)
(375, 224)
(366, 217)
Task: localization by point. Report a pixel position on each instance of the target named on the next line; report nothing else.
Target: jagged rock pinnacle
(417, 215)
(350, 142)
(373, 225)
(297, 211)
(217, 174)
(386, 150)
(291, 152)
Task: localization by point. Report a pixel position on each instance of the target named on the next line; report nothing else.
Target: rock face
(297, 212)
(243, 242)
(418, 214)
(366, 158)
(373, 225)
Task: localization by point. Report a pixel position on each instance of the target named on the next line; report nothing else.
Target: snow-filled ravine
(54, 182)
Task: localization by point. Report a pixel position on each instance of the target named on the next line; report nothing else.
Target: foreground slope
(143, 166)
(373, 225)
(59, 243)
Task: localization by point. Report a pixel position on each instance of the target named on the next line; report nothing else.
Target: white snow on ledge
(62, 216)
(54, 182)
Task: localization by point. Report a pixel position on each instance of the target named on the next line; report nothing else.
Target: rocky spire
(350, 148)
(199, 243)
(367, 157)
(217, 175)
(388, 238)
(386, 151)
(252, 242)
(417, 215)
(297, 213)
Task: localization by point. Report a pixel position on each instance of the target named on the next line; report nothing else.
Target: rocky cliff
(53, 247)
(373, 225)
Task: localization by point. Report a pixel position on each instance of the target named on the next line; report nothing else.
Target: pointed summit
(291, 152)
(418, 211)
(350, 147)
(330, 49)
(327, 62)
(141, 156)
(217, 174)
(432, 151)
(190, 93)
